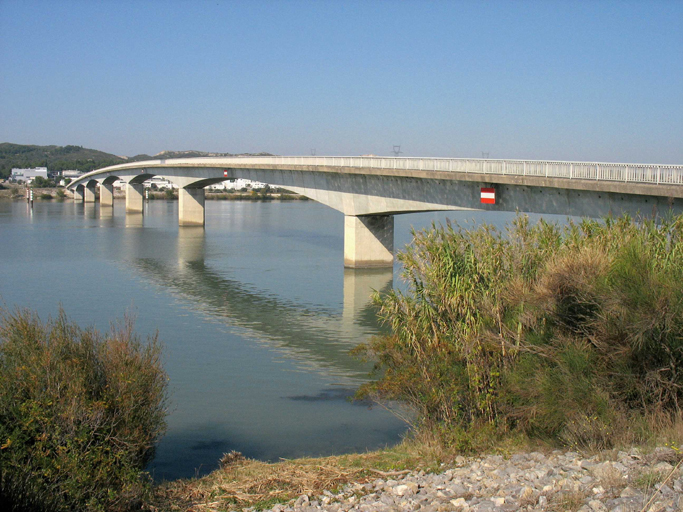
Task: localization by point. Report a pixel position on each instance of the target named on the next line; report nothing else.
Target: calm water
(255, 311)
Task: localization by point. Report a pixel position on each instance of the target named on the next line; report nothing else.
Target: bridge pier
(90, 194)
(368, 241)
(78, 194)
(191, 207)
(134, 196)
(106, 194)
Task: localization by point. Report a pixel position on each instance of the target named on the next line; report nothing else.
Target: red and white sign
(225, 173)
(488, 195)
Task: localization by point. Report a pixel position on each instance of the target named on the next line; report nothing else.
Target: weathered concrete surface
(106, 194)
(79, 193)
(134, 197)
(90, 192)
(368, 241)
(365, 193)
(371, 191)
(191, 207)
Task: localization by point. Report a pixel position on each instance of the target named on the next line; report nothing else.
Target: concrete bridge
(370, 190)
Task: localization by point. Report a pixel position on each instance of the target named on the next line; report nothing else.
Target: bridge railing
(639, 173)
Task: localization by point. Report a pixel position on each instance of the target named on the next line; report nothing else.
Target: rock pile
(625, 482)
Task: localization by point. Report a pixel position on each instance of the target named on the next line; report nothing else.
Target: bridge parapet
(369, 190)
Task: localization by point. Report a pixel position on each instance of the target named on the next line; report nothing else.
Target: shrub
(80, 414)
(563, 332)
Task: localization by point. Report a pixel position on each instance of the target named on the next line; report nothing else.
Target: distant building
(71, 175)
(159, 183)
(237, 184)
(28, 175)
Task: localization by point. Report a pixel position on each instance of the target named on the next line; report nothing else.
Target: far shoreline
(18, 193)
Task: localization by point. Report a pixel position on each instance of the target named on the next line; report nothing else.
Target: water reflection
(106, 212)
(133, 220)
(90, 210)
(191, 245)
(316, 338)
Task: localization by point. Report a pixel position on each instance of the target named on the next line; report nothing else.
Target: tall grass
(567, 333)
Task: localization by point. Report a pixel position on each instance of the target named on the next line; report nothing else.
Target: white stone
(460, 502)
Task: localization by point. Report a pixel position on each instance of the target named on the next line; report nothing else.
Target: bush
(80, 414)
(562, 332)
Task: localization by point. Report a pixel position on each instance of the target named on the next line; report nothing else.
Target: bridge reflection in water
(281, 371)
(317, 339)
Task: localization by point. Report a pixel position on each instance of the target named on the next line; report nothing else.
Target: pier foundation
(90, 193)
(368, 241)
(191, 207)
(134, 195)
(106, 194)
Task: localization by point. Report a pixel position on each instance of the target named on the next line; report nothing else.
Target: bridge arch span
(370, 190)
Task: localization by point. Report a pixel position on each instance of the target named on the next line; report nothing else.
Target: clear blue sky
(587, 80)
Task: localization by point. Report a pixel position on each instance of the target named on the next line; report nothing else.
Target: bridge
(370, 190)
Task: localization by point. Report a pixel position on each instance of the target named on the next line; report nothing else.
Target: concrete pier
(191, 207)
(106, 194)
(368, 241)
(134, 196)
(90, 192)
(78, 194)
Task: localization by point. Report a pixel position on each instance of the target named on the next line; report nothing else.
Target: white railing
(597, 171)
(639, 173)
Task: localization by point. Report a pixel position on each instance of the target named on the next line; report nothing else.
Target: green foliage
(80, 414)
(61, 194)
(55, 158)
(40, 182)
(562, 332)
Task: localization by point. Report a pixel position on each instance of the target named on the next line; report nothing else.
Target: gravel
(615, 482)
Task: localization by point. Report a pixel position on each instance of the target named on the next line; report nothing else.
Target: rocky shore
(613, 481)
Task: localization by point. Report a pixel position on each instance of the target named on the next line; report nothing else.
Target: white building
(159, 183)
(28, 175)
(237, 184)
(70, 174)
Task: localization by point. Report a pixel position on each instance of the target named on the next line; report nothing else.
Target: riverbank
(403, 479)
(13, 192)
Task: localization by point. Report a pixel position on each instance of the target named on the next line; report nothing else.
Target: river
(255, 312)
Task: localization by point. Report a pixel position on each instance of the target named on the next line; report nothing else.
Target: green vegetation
(60, 158)
(40, 182)
(79, 414)
(55, 158)
(568, 334)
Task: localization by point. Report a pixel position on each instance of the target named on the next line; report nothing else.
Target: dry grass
(246, 483)
(568, 501)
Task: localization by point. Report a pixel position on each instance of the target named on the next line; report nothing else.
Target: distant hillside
(189, 154)
(55, 158)
(59, 158)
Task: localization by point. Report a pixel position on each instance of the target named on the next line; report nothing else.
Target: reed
(567, 333)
